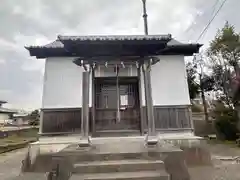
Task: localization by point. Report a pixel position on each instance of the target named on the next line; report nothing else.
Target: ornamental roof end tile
(55, 44)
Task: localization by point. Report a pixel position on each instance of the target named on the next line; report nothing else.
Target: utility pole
(145, 17)
(151, 138)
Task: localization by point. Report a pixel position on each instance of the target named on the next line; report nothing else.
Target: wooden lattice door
(117, 104)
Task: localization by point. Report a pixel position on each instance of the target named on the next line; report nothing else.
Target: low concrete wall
(195, 151)
(201, 127)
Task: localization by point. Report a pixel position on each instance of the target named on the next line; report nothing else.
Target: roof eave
(45, 52)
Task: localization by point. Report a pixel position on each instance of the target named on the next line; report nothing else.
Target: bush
(34, 122)
(226, 123)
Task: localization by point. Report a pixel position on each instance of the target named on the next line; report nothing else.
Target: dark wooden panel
(173, 118)
(170, 117)
(184, 118)
(62, 120)
(106, 119)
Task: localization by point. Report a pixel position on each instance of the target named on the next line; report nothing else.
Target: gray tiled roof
(58, 44)
(174, 42)
(116, 38)
(57, 47)
(55, 44)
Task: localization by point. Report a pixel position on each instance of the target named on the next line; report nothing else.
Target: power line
(211, 20)
(213, 8)
(213, 11)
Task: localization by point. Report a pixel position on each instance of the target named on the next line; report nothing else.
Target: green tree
(206, 85)
(34, 117)
(206, 82)
(222, 78)
(227, 45)
(224, 52)
(200, 80)
(193, 87)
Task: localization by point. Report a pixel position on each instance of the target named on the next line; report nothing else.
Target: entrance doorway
(117, 107)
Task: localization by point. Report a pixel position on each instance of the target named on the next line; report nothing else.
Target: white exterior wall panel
(169, 82)
(4, 118)
(62, 83)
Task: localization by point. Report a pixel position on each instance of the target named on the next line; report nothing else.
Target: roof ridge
(117, 37)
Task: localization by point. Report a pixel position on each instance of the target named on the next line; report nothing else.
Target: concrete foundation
(173, 155)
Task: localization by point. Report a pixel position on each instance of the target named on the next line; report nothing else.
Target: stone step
(30, 176)
(118, 166)
(117, 133)
(43, 163)
(116, 156)
(141, 175)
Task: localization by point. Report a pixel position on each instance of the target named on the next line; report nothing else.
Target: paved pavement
(225, 167)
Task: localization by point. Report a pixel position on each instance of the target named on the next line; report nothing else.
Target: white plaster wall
(3, 118)
(62, 83)
(169, 81)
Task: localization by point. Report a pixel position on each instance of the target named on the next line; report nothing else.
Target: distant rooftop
(2, 102)
(6, 110)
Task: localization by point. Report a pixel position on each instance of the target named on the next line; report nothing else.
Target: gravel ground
(225, 167)
(223, 171)
(10, 164)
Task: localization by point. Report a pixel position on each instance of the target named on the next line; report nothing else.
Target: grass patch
(18, 140)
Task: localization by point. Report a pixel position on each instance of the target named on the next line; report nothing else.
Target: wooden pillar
(41, 122)
(93, 102)
(151, 136)
(189, 113)
(85, 110)
(142, 118)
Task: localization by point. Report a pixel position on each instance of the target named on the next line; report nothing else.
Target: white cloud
(2, 61)
(35, 23)
(4, 44)
(33, 64)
